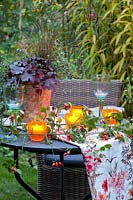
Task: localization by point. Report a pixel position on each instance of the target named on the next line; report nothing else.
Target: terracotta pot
(34, 102)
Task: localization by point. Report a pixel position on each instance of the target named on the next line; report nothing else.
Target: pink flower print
(101, 196)
(89, 167)
(86, 151)
(89, 162)
(98, 159)
(89, 158)
(117, 181)
(59, 132)
(69, 137)
(104, 185)
(131, 192)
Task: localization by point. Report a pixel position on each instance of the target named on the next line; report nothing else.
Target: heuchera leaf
(50, 84)
(36, 71)
(27, 77)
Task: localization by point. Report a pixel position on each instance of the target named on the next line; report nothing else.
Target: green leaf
(128, 41)
(123, 50)
(123, 76)
(80, 26)
(122, 139)
(94, 39)
(102, 148)
(113, 7)
(43, 109)
(121, 21)
(118, 37)
(128, 140)
(117, 50)
(118, 66)
(80, 34)
(103, 58)
(108, 146)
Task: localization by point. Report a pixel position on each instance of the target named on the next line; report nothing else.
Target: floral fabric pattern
(110, 173)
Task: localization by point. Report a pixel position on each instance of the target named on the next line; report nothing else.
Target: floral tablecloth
(108, 166)
(110, 172)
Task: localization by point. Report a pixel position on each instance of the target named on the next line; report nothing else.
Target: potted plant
(39, 77)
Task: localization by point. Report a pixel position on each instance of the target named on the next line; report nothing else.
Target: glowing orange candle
(37, 130)
(106, 113)
(74, 116)
(77, 110)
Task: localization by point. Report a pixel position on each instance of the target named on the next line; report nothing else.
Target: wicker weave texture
(75, 182)
(78, 92)
(81, 92)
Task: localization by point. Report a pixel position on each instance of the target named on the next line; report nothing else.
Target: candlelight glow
(74, 116)
(106, 113)
(77, 110)
(37, 130)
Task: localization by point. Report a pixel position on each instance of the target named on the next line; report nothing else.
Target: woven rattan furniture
(78, 92)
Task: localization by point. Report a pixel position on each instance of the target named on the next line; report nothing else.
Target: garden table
(23, 143)
(110, 173)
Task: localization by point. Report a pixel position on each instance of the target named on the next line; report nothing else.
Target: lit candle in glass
(76, 110)
(37, 130)
(107, 114)
(74, 116)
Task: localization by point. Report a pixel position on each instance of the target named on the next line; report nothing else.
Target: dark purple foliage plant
(36, 71)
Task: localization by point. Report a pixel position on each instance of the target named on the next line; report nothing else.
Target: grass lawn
(9, 187)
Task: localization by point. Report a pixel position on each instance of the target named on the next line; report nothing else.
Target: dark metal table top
(24, 143)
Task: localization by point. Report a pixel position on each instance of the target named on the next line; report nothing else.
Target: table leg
(87, 197)
(62, 181)
(19, 179)
(62, 176)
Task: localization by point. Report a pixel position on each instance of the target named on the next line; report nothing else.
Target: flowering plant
(11, 123)
(76, 132)
(57, 127)
(35, 71)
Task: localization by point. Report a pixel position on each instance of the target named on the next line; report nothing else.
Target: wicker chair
(78, 92)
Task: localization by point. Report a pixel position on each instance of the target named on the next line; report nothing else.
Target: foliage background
(82, 38)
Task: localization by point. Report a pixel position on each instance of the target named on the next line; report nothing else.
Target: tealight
(106, 113)
(77, 110)
(37, 130)
(74, 116)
